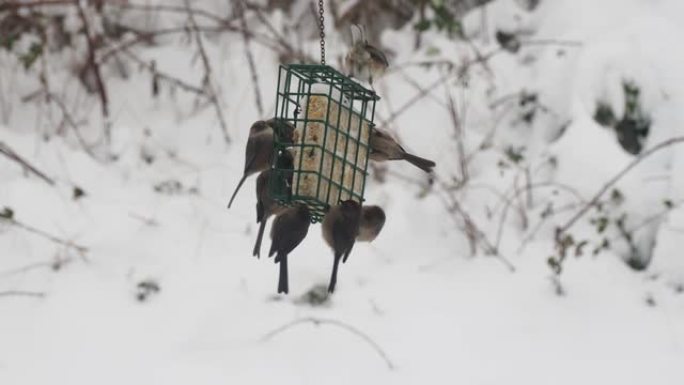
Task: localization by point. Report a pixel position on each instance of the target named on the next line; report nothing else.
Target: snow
(438, 313)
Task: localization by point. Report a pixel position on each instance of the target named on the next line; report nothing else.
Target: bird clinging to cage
(259, 148)
(340, 229)
(266, 205)
(384, 147)
(372, 221)
(288, 231)
(363, 60)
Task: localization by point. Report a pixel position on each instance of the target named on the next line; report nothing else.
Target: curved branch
(339, 324)
(592, 202)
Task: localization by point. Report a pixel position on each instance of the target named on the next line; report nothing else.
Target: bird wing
(343, 237)
(357, 34)
(292, 239)
(260, 211)
(377, 55)
(285, 239)
(250, 153)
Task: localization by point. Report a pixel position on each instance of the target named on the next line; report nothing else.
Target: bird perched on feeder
(372, 221)
(340, 229)
(259, 148)
(283, 129)
(288, 231)
(363, 60)
(384, 147)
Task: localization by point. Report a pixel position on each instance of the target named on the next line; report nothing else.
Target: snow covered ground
(433, 312)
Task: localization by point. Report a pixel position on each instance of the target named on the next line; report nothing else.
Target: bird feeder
(328, 155)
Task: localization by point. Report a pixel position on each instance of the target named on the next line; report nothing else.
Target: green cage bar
(328, 159)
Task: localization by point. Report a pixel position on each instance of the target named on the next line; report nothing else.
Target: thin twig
(416, 98)
(95, 67)
(149, 35)
(461, 72)
(534, 231)
(37, 3)
(12, 155)
(562, 43)
(279, 38)
(208, 80)
(164, 76)
(472, 230)
(82, 250)
(22, 293)
(54, 265)
(459, 133)
(418, 87)
(173, 9)
(647, 221)
(69, 120)
(489, 249)
(250, 57)
(322, 321)
(592, 202)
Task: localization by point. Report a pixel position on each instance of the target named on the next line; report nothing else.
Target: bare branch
(56, 264)
(32, 4)
(418, 87)
(173, 9)
(594, 200)
(12, 155)
(534, 231)
(322, 321)
(69, 244)
(489, 249)
(250, 57)
(69, 120)
(149, 35)
(208, 81)
(161, 75)
(21, 293)
(278, 37)
(472, 230)
(95, 67)
(459, 132)
(416, 98)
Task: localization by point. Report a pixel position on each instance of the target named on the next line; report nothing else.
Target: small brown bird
(259, 149)
(363, 60)
(340, 229)
(258, 152)
(384, 147)
(266, 206)
(372, 221)
(288, 231)
(283, 129)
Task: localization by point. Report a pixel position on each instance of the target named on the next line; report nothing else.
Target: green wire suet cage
(327, 159)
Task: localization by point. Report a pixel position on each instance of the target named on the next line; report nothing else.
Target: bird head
(258, 127)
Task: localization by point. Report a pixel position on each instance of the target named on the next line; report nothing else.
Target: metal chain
(321, 26)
